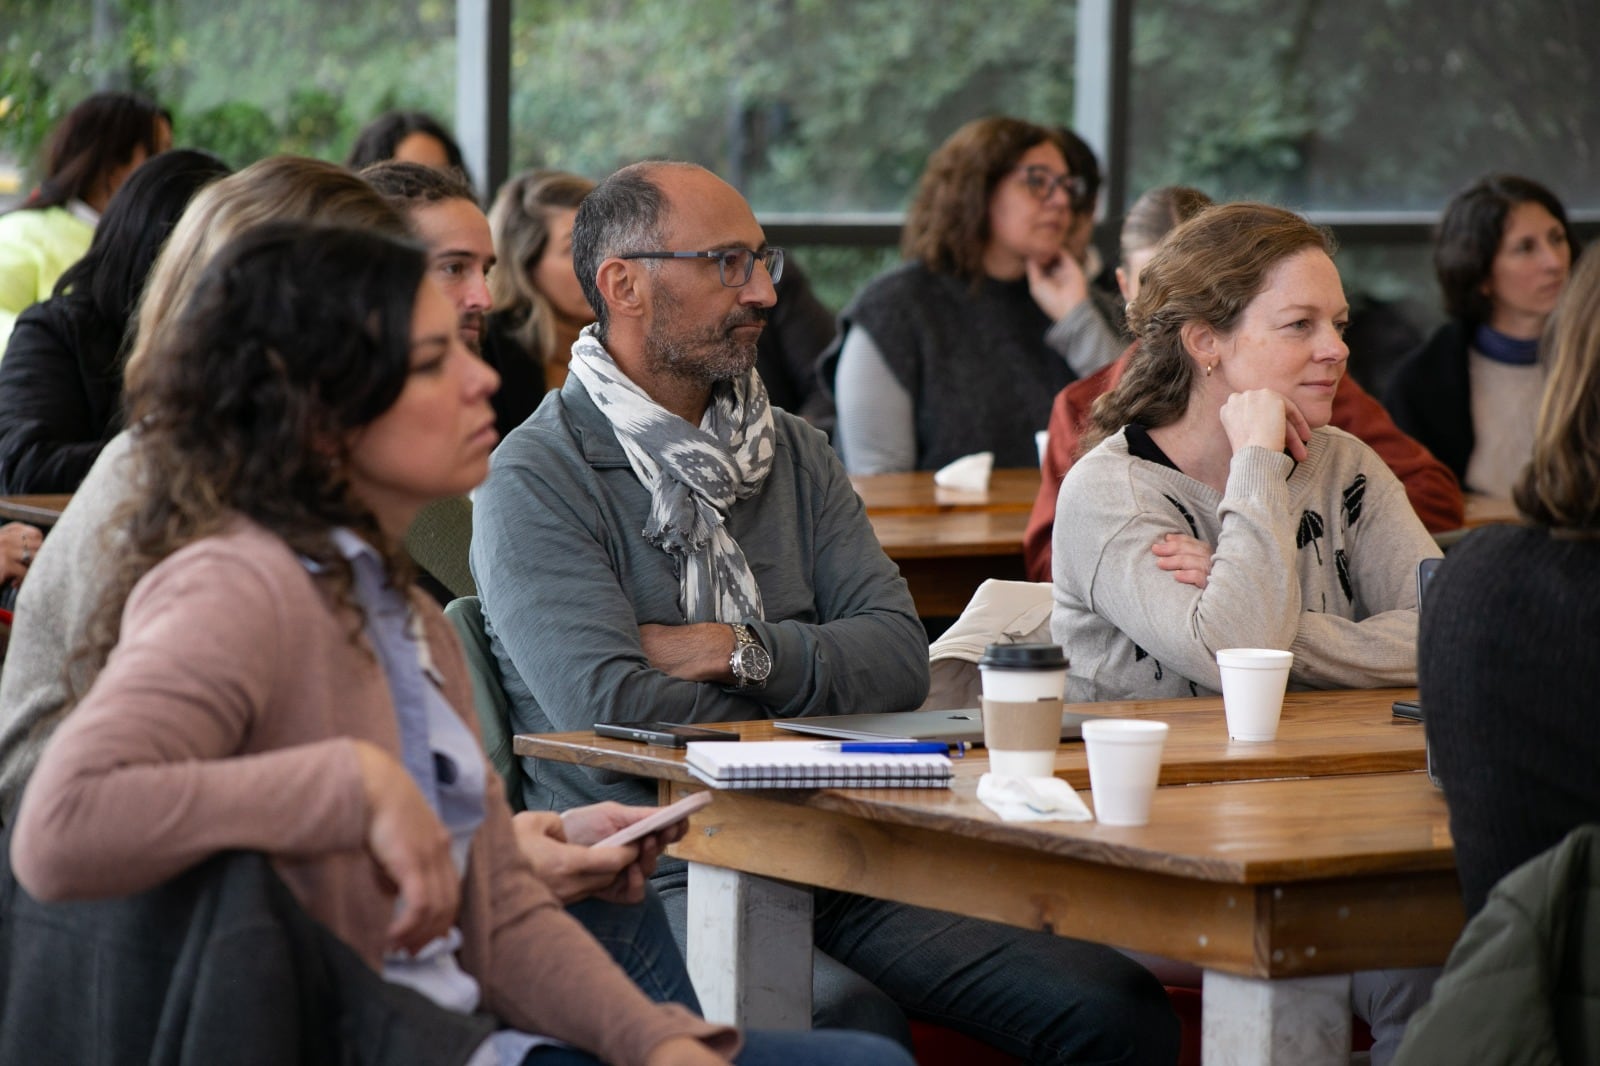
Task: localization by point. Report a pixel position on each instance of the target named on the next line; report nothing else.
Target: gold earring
(1212, 367)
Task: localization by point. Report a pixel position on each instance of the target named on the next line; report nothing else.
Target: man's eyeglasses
(1042, 182)
(734, 265)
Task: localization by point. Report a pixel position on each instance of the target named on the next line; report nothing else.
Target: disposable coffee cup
(1253, 682)
(1124, 766)
(1022, 687)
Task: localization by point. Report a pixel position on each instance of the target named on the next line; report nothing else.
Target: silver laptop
(951, 725)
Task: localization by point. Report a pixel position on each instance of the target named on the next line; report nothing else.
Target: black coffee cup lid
(1024, 657)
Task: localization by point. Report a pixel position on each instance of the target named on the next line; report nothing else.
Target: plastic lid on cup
(1024, 657)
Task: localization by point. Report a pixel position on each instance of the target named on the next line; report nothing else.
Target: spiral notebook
(800, 764)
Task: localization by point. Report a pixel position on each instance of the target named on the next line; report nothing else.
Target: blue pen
(901, 747)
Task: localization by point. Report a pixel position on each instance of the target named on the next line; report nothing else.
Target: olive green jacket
(1523, 983)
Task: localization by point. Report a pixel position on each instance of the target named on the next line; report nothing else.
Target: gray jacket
(566, 579)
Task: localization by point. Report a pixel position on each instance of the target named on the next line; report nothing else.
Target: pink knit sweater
(225, 719)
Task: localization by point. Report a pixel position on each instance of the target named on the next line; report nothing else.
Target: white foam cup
(1253, 682)
(1124, 765)
(1022, 696)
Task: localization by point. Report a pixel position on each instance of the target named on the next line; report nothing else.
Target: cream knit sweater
(1317, 557)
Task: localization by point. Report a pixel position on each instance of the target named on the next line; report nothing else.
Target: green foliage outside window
(830, 106)
(243, 80)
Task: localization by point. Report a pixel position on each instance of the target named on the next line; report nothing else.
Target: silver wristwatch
(749, 662)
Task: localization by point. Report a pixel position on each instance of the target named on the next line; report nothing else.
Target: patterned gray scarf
(694, 475)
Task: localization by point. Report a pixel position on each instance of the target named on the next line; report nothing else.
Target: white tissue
(1032, 799)
(970, 473)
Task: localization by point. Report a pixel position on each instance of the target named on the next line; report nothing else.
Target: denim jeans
(820, 1047)
(1386, 1000)
(1042, 998)
(638, 937)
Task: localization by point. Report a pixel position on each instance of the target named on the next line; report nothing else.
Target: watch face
(752, 663)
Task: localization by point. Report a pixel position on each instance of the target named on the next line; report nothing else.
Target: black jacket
(1430, 398)
(60, 395)
(798, 330)
(217, 966)
(521, 374)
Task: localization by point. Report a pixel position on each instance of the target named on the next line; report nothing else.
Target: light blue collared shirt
(444, 759)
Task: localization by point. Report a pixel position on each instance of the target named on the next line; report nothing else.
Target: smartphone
(1407, 709)
(664, 734)
(664, 817)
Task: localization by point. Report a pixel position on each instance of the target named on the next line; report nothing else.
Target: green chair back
(488, 696)
(438, 541)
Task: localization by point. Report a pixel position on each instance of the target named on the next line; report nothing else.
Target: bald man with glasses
(658, 542)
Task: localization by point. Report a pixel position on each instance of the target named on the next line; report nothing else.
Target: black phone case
(644, 734)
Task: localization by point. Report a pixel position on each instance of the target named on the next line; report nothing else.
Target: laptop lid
(949, 725)
(1425, 571)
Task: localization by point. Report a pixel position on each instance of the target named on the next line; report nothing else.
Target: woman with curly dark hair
(70, 575)
(963, 348)
(273, 682)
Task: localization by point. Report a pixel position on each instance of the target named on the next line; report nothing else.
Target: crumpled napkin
(970, 473)
(1032, 799)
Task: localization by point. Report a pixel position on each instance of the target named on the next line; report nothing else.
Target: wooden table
(914, 493)
(1484, 510)
(945, 557)
(1278, 889)
(947, 542)
(1320, 734)
(40, 510)
(1480, 510)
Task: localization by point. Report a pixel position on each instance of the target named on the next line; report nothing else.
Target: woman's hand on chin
(1057, 285)
(1266, 419)
(412, 849)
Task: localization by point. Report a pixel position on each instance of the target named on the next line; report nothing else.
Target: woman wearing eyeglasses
(962, 348)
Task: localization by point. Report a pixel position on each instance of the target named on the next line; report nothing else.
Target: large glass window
(244, 80)
(1365, 104)
(805, 105)
(830, 107)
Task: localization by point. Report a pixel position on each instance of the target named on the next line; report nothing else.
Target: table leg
(1250, 1021)
(750, 948)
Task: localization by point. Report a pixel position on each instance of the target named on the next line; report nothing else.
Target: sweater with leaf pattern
(1318, 558)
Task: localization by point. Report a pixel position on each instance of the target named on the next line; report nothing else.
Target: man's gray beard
(707, 363)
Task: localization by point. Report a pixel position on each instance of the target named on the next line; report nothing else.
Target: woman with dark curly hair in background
(963, 348)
